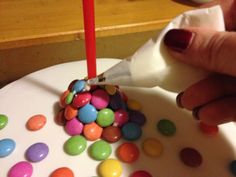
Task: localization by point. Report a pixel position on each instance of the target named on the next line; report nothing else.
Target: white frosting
(38, 93)
(151, 65)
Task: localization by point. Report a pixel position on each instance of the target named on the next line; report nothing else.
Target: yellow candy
(110, 168)
(111, 89)
(134, 105)
(152, 147)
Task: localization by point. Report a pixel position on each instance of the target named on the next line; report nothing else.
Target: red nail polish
(178, 39)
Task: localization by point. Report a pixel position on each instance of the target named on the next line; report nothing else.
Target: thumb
(207, 49)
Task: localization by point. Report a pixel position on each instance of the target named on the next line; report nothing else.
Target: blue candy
(7, 146)
(87, 114)
(131, 131)
(79, 86)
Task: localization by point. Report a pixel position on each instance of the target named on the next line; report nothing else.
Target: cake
(39, 92)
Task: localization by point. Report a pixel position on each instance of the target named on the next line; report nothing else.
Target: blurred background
(35, 34)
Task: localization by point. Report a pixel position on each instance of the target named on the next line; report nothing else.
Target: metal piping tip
(96, 80)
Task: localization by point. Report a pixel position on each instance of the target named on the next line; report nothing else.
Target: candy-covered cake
(53, 124)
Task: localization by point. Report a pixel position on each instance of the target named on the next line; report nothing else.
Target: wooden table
(34, 22)
(49, 32)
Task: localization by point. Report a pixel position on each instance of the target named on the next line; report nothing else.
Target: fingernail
(178, 100)
(178, 39)
(195, 112)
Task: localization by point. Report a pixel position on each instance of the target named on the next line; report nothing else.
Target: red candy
(81, 99)
(128, 152)
(191, 157)
(208, 129)
(140, 173)
(111, 134)
(62, 172)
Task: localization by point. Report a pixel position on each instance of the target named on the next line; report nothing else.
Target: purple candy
(137, 117)
(116, 102)
(21, 169)
(74, 127)
(37, 152)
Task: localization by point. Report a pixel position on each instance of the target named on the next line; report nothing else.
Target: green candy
(100, 150)
(105, 117)
(75, 145)
(166, 127)
(3, 121)
(69, 98)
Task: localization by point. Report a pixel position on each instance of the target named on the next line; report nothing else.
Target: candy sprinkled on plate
(100, 150)
(21, 169)
(36, 122)
(128, 152)
(110, 168)
(62, 172)
(7, 146)
(37, 152)
(191, 157)
(3, 121)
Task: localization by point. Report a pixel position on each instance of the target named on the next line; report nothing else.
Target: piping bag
(152, 66)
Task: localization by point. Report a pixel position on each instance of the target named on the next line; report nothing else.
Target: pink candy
(100, 99)
(21, 169)
(121, 117)
(74, 127)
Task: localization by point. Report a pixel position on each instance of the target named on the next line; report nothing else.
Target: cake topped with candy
(68, 128)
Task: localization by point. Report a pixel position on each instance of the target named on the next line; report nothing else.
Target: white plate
(38, 93)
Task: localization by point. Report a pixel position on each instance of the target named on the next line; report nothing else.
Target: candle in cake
(90, 41)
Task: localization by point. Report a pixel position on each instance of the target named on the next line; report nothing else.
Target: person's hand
(212, 100)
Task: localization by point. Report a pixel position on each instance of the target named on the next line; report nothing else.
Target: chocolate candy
(110, 168)
(37, 152)
(87, 114)
(111, 134)
(100, 150)
(128, 152)
(131, 131)
(21, 169)
(74, 127)
(100, 99)
(75, 145)
(166, 127)
(7, 146)
(191, 157)
(3, 121)
(36, 122)
(105, 117)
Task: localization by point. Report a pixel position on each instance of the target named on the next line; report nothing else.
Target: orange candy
(70, 112)
(36, 122)
(128, 152)
(63, 98)
(92, 131)
(62, 172)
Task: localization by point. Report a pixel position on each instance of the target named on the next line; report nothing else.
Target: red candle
(90, 40)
